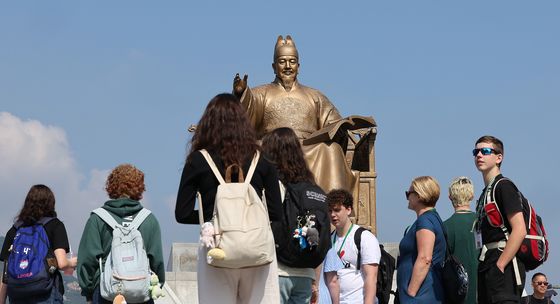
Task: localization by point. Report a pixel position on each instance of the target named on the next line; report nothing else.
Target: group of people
(273, 120)
(124, 186)
(487, 251)
(226, 133)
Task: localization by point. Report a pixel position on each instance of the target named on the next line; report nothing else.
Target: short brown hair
(497, 144)
(427, 189)
(340, 197)
(125, 181)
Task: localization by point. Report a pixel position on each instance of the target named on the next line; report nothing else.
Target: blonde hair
(427, 189)
(461, 191)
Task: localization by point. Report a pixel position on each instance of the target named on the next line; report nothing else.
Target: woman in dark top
(226, 133)
(422, 249)
(39, 204)
(283, 148)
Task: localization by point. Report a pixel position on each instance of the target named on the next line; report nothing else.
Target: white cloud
(34, 153)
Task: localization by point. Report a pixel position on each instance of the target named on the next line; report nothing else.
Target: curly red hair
(125, 181)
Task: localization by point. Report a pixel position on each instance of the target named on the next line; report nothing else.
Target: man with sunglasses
(501, 276)
(540, 285)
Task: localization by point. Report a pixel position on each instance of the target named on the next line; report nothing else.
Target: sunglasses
(484, 151)
(542, 283)
(408, 193)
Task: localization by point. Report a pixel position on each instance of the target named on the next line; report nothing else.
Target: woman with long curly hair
(225, 132)
(39, 209)
(125, 187)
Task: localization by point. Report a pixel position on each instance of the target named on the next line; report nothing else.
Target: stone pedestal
(181, 271)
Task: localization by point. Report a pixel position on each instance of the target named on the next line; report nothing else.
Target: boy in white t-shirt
(356, 286)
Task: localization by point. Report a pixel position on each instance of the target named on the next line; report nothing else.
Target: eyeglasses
(408, 193)
(484, 151)
(541, 283)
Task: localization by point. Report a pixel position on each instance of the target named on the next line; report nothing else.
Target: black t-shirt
(532, 300)
(509, 202)
(58, 239)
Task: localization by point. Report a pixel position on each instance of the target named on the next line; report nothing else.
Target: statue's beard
(287, 81)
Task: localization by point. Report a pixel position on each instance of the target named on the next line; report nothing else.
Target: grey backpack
(127, 269)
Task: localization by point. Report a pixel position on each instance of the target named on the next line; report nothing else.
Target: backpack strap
(44, 220)
(219, 175)
(106, 217)
(213, 166)
(504, 229)
(252, 168)
(139, 218)
(358, 242)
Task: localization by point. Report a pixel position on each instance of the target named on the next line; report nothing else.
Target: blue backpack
(28, 274)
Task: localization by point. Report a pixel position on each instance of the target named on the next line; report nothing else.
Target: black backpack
(302, 236)
(387, 265)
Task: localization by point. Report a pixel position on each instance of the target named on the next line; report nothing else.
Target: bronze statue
(315, 120)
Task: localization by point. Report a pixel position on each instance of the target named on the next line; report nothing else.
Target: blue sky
(87, 86)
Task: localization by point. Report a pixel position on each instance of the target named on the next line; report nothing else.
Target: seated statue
(287, 103)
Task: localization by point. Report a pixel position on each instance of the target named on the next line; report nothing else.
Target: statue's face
(286, 68)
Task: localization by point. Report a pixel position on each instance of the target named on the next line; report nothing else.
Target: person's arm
(271, 190)
(186, 196)
(58, 238)
(331, 279)
(151, 233)
(90, 249)
(315, 285)
(3, 292)
(64, 263)
(369, 272)
(518, 232)
(425, 240)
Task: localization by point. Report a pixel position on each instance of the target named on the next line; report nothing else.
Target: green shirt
(460, 234)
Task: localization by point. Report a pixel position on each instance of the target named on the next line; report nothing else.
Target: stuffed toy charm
(155, 289)
(300, 234)
(119, 299)
(215, 254)
(313, 236)
(207, 235)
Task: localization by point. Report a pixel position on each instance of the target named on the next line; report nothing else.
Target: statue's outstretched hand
(239, 85)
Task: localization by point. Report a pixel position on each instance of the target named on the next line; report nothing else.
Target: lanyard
(343, 241)
(480, 213)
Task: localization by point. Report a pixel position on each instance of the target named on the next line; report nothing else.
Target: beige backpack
(241, 224)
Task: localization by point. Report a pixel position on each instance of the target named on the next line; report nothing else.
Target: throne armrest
(361, 146)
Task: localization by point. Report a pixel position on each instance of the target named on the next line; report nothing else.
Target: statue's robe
(305, 110)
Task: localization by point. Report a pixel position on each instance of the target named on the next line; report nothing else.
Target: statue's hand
(239, 85)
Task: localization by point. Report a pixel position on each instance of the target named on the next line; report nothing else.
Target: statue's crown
(285, 47)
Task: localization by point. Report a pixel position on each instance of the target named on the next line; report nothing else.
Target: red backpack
(534, 248)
